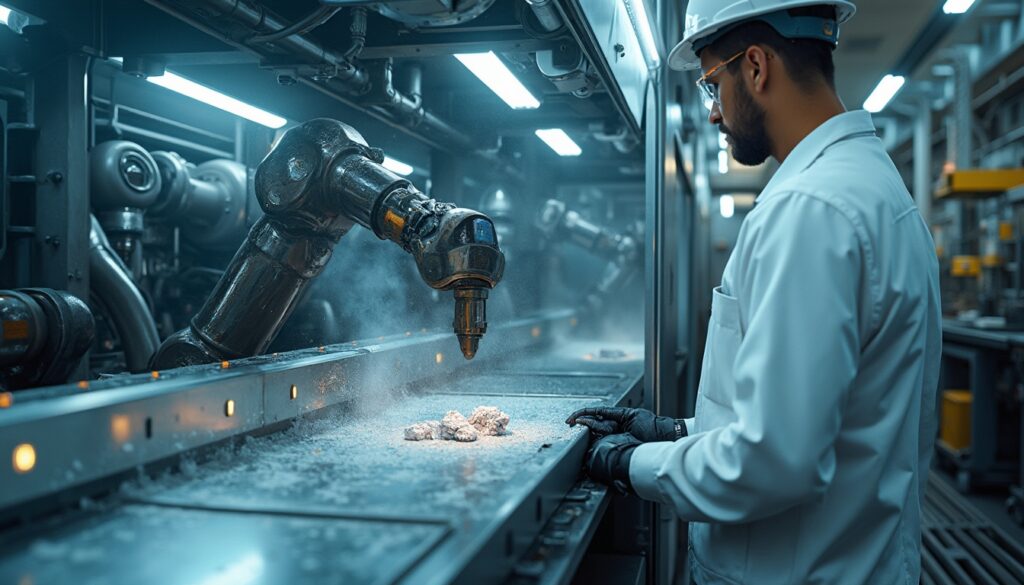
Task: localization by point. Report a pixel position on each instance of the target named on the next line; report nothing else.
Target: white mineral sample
(424, 431)
(454, 426)
(465, 434)
(488, 420)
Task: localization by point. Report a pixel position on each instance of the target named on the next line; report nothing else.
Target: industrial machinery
(620, 250)
(319, 181)
(45, 333)
(208, 358)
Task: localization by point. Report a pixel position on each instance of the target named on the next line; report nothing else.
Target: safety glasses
(708, 89)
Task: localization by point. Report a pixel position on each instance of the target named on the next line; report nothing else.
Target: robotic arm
(620, 250)
(319, 181)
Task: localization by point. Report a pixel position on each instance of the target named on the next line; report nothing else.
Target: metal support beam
(62, 190)
(661, 371)
(962, 109)
(441, 48)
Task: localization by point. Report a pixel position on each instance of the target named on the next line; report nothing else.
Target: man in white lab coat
(807, 458)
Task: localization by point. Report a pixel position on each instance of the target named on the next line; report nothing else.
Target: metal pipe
(253, 16)
(357, 81)
(410, 107)
(112, 285)
(963, 110)
(388, 118)
(46, 333)
(357, 33)
(209, 201)
(412, 80)
(302, 26)
(546, 14)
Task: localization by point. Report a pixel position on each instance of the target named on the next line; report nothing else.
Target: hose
(302, 26)
(114, 288)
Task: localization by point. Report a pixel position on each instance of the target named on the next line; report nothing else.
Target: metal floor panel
(961, 546)
(362, 463)
(154, 544)
(438, 511)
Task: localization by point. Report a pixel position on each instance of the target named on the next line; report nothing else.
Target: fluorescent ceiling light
(727, 206)
(187, 87)
(642, 29)
(723, 141)
(398, 167)
(883, 94)
(957, 6)
(5, 14)
(723, 162)
(559, 142)
(495, 75)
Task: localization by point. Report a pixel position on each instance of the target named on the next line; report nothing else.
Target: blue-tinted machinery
(208, 354)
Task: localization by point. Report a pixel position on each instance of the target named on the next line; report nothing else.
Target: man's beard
(751, 145)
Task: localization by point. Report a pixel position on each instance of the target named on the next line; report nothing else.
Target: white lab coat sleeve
(799, 275)
(688, 424)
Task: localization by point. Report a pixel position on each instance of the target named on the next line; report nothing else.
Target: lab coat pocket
(717, 385)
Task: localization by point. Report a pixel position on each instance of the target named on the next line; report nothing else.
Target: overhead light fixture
(398, 167)
(5, 15)
(187, 87)
(212, 97)
(887, 88)
(492, 71)
(637, 11)
(957, 6)
(559, 142)
(727, 206)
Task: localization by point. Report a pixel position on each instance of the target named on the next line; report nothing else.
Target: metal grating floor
(963, 547)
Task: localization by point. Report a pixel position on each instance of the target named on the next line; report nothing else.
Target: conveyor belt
(343, 498)
(961, 546)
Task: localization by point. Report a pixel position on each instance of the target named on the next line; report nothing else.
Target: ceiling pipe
(338, 76)
(546, 13)
(303, 26)
(260, 21)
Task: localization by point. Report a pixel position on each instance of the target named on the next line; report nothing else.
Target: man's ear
(755, 68)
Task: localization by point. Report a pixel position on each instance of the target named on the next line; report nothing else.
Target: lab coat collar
(835, 129)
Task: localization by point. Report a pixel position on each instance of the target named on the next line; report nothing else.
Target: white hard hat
(706, 18)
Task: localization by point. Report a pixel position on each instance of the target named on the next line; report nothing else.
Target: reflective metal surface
(127, 421)
(342, 498)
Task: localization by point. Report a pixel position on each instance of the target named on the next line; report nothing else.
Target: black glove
(607, 461)
(642, 424)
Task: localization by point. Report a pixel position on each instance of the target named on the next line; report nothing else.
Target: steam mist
(371, 288)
